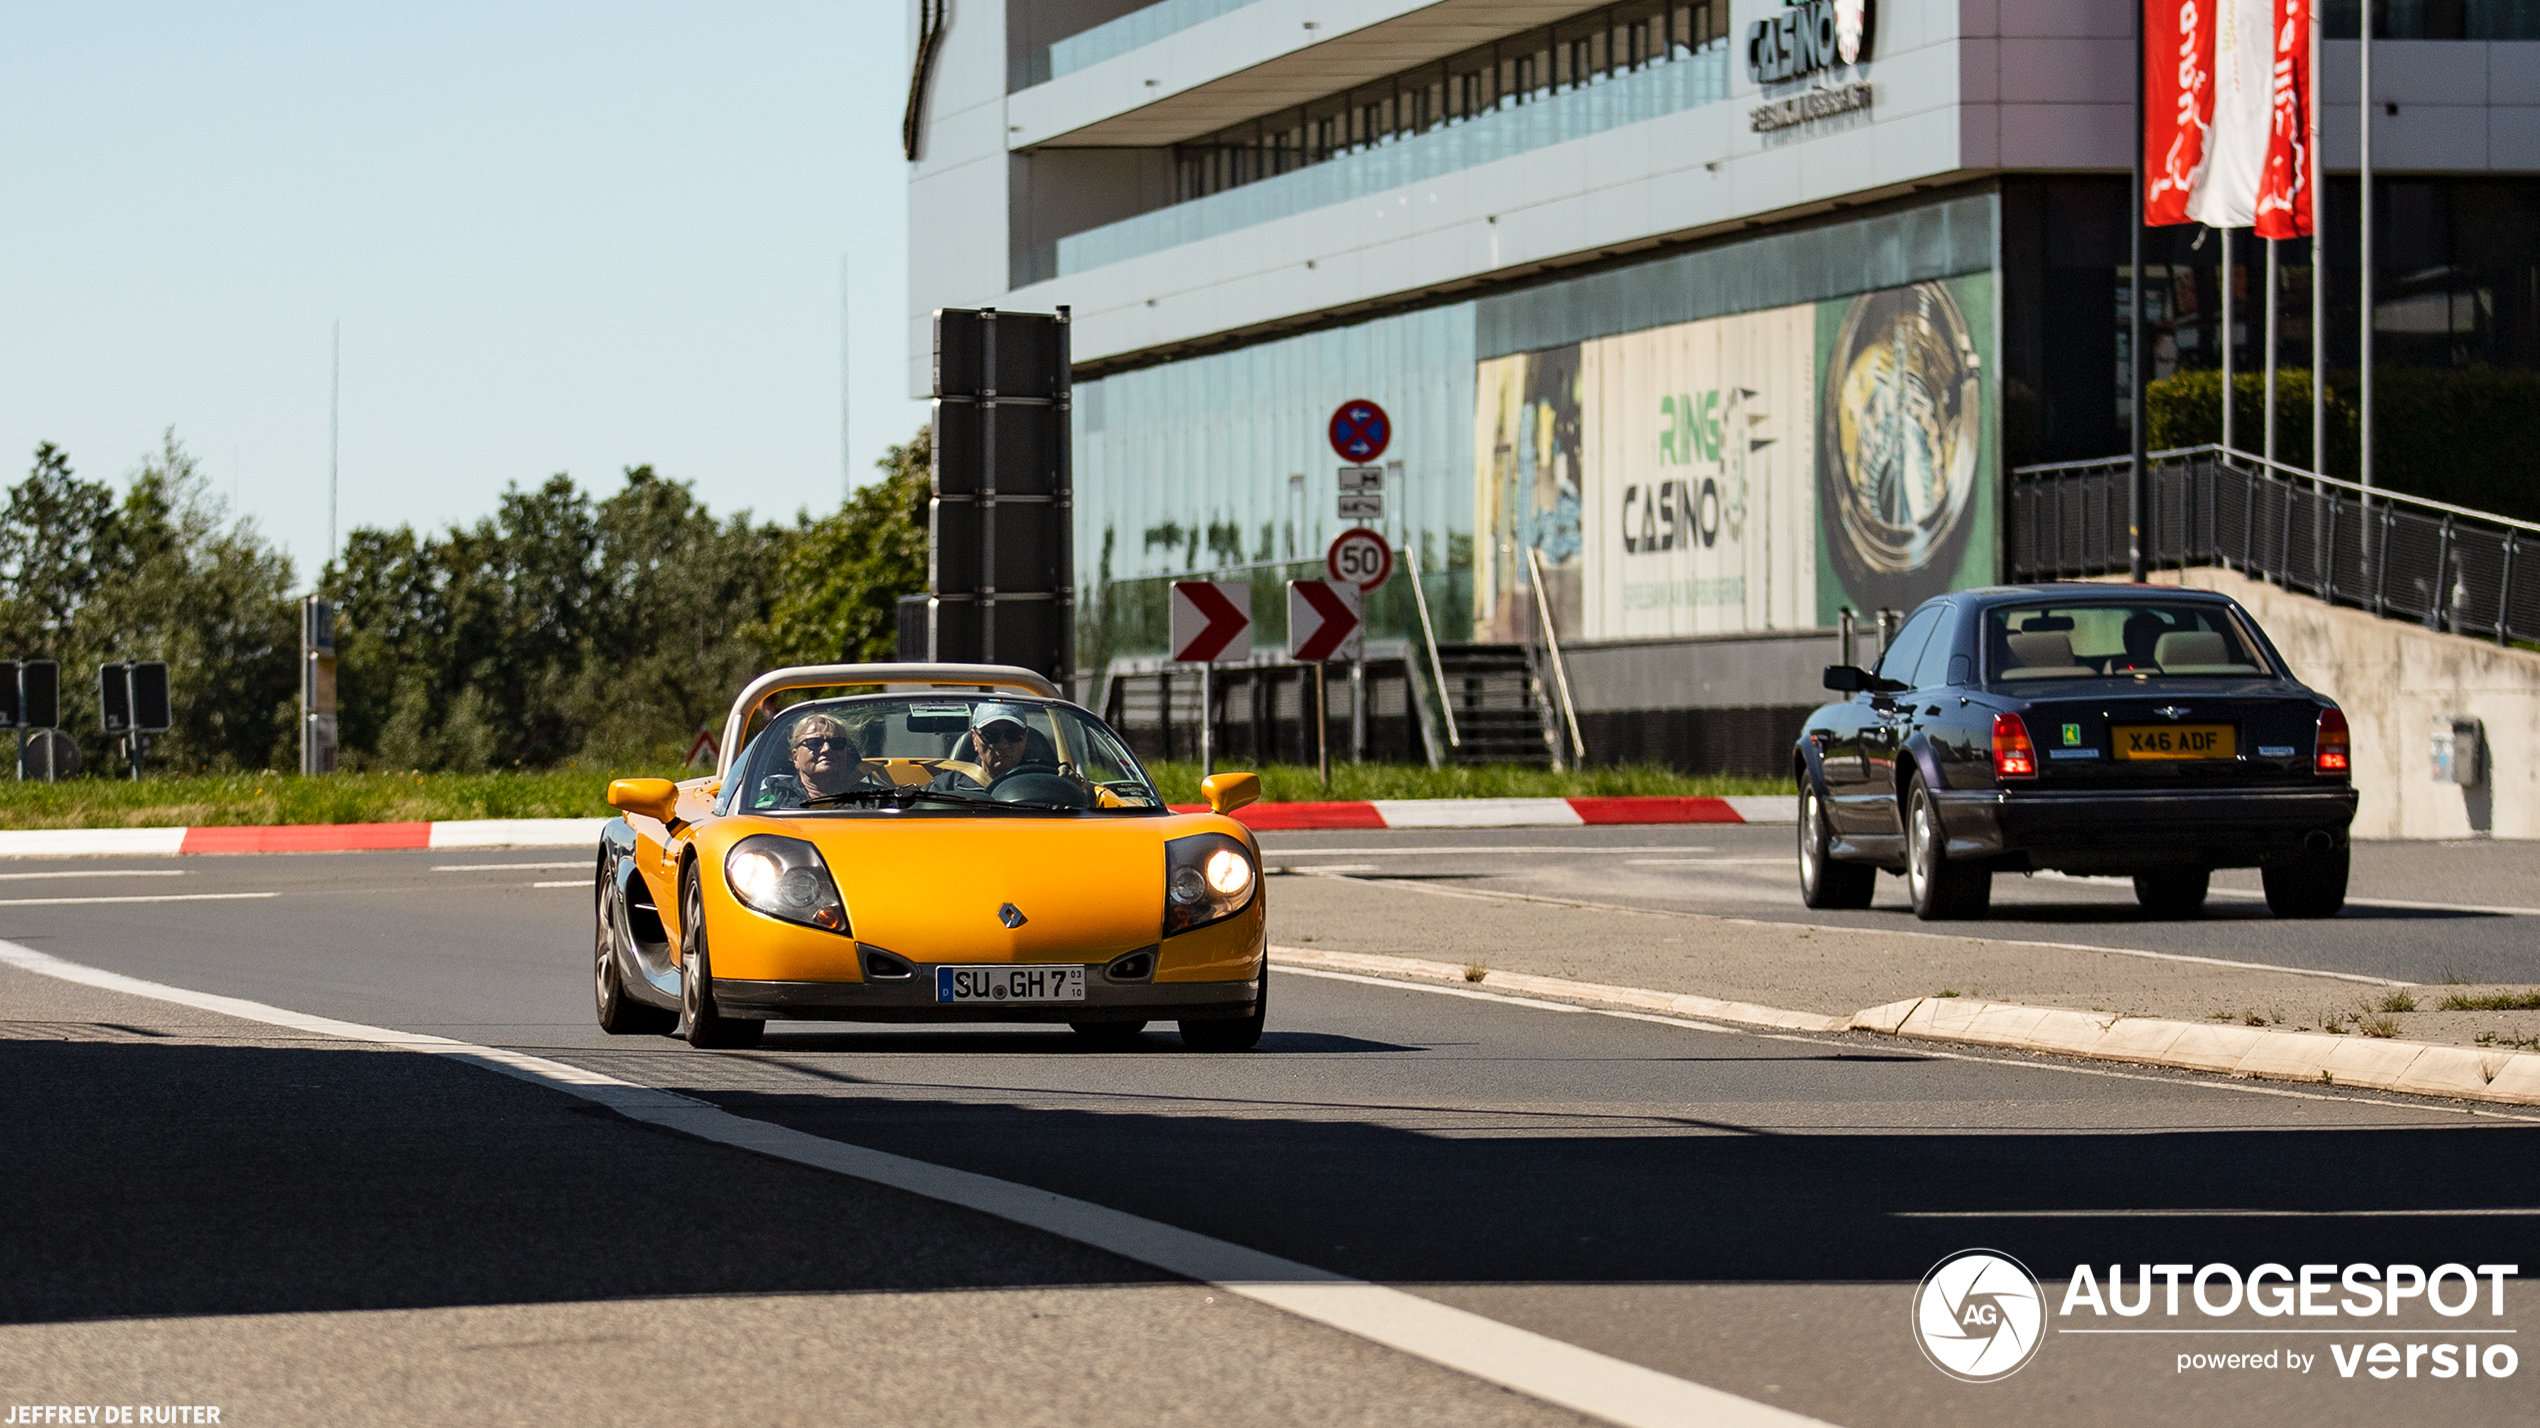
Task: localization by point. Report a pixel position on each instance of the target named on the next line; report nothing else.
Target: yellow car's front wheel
(1237, 1033)
(705, 1027)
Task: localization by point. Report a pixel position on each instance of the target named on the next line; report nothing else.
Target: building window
(1586, 49)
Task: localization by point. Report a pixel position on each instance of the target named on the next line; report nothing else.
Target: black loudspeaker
(912, 629)
(40, 694)
(150, 696)
(1000, 563)
(114, 697)
(10, 708)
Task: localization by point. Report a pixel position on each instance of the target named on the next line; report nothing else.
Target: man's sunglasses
(1006, 734)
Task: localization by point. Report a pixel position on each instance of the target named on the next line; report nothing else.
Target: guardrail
(2395, 555)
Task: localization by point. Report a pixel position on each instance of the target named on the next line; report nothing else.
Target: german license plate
(2176, 741)
(1009, 984)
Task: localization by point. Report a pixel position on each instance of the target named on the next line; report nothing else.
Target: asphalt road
(2418, 912)
(213, 1211)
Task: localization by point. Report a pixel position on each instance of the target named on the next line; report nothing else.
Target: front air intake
(881, 966)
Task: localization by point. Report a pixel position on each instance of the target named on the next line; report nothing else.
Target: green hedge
(2467, 435)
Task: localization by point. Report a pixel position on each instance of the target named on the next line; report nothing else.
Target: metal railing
(2396, 555)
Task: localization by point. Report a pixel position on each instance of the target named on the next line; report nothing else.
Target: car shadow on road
(171, 1179)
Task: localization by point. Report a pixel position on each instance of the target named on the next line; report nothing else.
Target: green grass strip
(2494, 1001)
(230, 800)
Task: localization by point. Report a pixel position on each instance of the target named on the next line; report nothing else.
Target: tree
(841, 584)
(165, 574)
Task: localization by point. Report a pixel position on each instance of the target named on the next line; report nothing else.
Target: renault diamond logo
(1979, 1315)
(2172, 711)
(1010, 915)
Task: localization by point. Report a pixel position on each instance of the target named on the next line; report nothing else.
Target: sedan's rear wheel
(1237, 1033)
(1941, 889)
(2173, 892)
(2313, 886)
(1823, 882)
(620, 1015)
(699, 1021)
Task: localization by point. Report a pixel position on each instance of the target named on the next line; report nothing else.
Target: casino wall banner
(1744, 473)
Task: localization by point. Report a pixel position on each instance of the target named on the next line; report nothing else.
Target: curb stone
(2249, 1053)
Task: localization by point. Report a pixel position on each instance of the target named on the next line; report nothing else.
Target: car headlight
(1207, 877)
(784, 877)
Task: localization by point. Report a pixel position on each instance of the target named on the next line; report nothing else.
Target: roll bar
(829, 676)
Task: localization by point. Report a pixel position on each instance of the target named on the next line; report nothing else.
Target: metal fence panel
(2394, 555)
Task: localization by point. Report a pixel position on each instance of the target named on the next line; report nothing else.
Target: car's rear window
(2119, 639)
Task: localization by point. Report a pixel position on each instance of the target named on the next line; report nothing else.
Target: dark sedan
(2098, 729)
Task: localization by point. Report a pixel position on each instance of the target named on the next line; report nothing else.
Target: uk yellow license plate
(2176, 741)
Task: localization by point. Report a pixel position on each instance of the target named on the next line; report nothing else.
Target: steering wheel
(1038, 783)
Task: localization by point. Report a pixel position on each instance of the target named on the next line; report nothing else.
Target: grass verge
(229, 800)
(1296, 783)
(221, 800)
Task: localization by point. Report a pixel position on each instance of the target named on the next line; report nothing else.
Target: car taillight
(2330, 751)
(2013, 755)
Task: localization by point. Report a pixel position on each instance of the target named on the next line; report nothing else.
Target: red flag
(2178, 103)
(2284, 189)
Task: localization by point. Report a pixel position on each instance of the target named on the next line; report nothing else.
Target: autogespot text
(2354, 1292)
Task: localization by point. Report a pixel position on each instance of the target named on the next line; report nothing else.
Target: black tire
(1941, 890)
(620, 1014)
(1241, 1033)
(1108, 1033)
(2313, 886)
(704, 1027)
(2173, 892)
(1823, 882)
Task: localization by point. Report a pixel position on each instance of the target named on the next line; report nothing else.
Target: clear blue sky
(560, 237)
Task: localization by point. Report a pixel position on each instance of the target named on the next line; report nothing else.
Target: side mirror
(1847, 678)
(1227, 792)
(655, 798)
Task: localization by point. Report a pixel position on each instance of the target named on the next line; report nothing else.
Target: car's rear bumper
(912, 998)
(2119, 831)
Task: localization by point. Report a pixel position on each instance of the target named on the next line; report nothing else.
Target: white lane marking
(2491, 908)
(565, 883)
(1973, 934)
(1704, 862)
(1308, 850)
(163, 897)
(1530, 1363)
(1538, 1003)
(98, 873)
(1319, 868)
(507, 867)
(1922, 1050)
(2204, 1214)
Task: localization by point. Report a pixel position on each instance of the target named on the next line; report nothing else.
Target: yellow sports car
(967, 847)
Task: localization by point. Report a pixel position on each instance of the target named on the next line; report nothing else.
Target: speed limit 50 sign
(1361, 557)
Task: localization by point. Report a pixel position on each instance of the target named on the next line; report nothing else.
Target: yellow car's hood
(930, 889)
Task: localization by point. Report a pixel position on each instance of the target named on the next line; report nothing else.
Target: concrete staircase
(1502, 712)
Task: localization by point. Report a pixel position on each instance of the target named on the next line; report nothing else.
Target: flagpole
(2227, 393)
(2273, 282)
(2137, 566)
(2363, 240)
(2319, 268)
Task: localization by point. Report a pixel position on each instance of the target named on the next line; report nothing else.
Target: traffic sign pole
(1207, 720)
(1322, 727)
